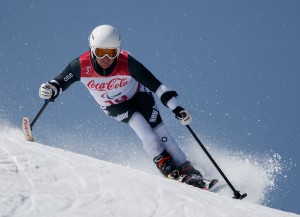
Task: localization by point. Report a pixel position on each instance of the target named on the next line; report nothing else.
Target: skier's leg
(171, 146)
(172, 156)
(151, 143)
(188, 174)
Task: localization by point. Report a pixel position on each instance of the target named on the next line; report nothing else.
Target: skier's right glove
(184, 117)
(48, 91)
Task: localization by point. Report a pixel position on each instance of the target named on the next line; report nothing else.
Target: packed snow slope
(37, 180)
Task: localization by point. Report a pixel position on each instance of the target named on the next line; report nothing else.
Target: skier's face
(105, 62)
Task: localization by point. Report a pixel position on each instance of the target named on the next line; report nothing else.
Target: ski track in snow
(37, 180)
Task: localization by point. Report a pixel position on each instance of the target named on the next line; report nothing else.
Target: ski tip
(27, 129)
(212, 183)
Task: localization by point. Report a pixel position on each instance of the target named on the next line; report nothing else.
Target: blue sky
(235, 65)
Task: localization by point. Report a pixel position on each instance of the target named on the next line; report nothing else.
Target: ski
(27, 129)
(209, 183)
(27, 126)
(212, 183)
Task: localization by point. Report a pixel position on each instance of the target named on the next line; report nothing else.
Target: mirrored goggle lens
(110, 52)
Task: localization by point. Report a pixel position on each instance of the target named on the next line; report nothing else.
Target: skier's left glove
(184, 117)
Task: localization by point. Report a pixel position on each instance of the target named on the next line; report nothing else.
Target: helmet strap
(92, 54)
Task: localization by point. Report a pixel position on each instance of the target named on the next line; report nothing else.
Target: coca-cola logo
(114, 83)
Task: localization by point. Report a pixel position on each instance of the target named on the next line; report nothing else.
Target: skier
(123, 88)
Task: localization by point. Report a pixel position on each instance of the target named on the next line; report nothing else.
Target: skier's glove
(48, 91)
(184, 117)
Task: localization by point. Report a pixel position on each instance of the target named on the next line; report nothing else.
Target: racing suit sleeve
(68, 76)
(140, 73)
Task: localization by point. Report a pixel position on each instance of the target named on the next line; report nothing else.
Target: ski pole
(27, 126)
(236, 193)
(40, 112)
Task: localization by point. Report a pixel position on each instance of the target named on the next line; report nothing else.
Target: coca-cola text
(114, 83)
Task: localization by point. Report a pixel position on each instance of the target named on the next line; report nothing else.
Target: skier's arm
(140, 73)
(168, 97)
(61, 82)
(69, 75)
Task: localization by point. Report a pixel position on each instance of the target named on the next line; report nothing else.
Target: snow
(38, 180)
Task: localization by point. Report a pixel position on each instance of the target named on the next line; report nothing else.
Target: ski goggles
(109, 52)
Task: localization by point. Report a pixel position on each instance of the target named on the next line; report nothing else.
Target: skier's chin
(105, 64)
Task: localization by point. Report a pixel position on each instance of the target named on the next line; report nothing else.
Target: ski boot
(189, 175)
(166, 165)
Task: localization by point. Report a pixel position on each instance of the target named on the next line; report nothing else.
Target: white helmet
(105, 36)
